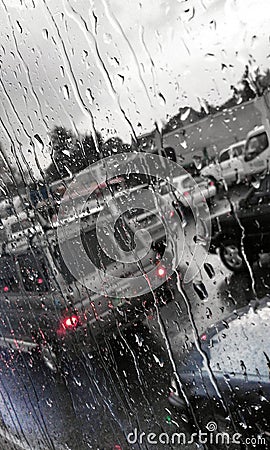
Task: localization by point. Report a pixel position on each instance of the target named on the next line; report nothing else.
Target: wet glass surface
(134, 224)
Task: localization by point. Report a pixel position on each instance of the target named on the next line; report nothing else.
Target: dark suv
(244, 232)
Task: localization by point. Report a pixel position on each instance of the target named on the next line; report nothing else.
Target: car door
(236, 163)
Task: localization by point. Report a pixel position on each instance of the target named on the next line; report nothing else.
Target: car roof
(234, 145)
(255, 131)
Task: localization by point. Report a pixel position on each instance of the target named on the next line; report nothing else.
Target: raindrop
(210, 55)
(209, 270)
(200, 289)
(161, 363)
(49, 402)
(200, 240)
(45, 33)
(19, 26)
(107, 37)
(185, 114)
(66, 92)
(90, 95)
(162, 98)
(184, 144)
(256, 183)
(38, 138)
(78, 382)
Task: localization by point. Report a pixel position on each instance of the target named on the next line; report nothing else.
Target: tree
(113, 146)
(62, 147)
(262, 80)
(70, 154)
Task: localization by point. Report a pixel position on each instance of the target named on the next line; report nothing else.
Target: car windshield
(134, 224)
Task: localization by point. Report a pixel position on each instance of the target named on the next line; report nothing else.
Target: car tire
(231, 256)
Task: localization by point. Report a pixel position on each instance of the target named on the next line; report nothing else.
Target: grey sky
(61, 66)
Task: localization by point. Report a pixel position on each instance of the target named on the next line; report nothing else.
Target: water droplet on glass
(209, 270)
(201, 291)
(256, 183)
(49, 402)
(45, 33)
(66, 92)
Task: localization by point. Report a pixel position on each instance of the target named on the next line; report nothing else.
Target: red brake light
(172, 214)
(211, 183)
(161, 272)
(186, 194)
(203, 337)
(6, 289)
(71, 322)
(39, 280)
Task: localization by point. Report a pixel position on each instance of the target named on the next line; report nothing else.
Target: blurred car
(249, 225)
(224, 378)
(44, 308)
(190, 190)
(229, 168)
(21, 225)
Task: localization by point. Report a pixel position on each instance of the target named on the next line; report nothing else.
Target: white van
(229, 167)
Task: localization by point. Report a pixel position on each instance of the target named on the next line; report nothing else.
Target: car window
(9, 280)
(225, 156)
(21, 225)
(256, 145)
(238, 151)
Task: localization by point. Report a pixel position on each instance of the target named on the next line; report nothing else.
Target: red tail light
(161, 272)
(203, 337)
(186, 194)
(211, 183)
(6, 289)
(70, 322)
(39, 280)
